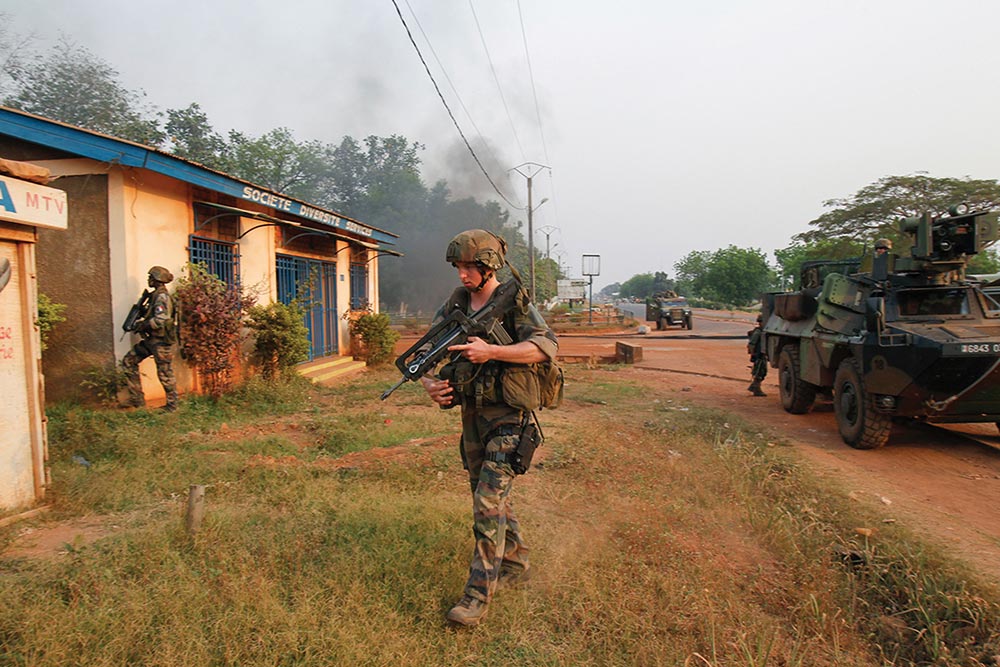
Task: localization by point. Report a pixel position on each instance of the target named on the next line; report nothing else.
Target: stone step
(329, 369)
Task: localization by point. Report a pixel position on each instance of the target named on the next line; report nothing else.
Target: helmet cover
(479, 246)
(160, 274)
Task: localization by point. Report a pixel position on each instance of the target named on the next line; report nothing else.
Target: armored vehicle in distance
(890, 336)
(668, 309)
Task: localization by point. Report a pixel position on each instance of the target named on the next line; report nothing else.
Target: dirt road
(944, 486)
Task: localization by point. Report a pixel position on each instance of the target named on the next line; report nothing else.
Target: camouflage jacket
(159, 318)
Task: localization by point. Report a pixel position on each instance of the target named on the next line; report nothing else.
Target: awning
(270, 219)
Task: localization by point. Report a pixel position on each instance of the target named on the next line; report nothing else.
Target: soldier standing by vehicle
(758, 357)
(158, 336)
(492, 429)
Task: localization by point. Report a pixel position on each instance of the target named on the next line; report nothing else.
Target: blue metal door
(313, 284)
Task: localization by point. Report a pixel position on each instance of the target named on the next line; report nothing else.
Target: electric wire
(496, 79)
(454, 90)
(448, 108)
(531, 78)
(538, 112)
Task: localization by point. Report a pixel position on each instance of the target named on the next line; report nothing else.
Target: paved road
(706, 322)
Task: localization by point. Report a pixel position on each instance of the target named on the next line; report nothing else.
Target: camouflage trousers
(759, 371)
(499, 541)
(163, 353)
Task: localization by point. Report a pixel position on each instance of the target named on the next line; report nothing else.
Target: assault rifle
(456, 329)
(137, 311)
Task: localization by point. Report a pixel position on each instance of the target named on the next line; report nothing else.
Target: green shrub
(50, 314)
(377, 337)
(105, 382)
(281, 337)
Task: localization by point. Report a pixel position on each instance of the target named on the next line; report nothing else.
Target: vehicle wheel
(861, 425)
(797, 395)
(688, 322)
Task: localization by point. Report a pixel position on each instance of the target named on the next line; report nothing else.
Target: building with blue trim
(132, 207)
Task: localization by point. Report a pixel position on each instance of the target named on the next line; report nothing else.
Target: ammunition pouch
(474, 384)
(520, 387)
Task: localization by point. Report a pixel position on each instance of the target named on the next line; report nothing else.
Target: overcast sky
(668, 126)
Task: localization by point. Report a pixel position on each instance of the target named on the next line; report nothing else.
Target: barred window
(359, 283)
(219, 258)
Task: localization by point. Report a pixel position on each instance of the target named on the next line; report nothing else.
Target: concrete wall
(149, 218)
(73, 269)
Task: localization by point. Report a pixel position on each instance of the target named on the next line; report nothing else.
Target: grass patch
(662, 534)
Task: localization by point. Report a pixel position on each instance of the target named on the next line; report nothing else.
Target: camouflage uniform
(758, 356)
(158, 337)
(490, 432)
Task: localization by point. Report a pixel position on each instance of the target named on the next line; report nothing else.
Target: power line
(496, 79)
(531, 77)
(448, 108)
(454, 90)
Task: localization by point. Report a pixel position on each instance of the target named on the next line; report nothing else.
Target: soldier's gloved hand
(143, 327)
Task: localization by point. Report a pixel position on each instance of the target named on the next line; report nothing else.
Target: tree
(790, 258)
(639, 286)
(74, 86)
(278, 162)
(729, 275)
(737, 275)
(191, 137)
(609, 291)
(691, 270)
(875, 210)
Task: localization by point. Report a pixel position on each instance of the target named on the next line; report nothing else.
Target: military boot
(468, 612)
(756, 390)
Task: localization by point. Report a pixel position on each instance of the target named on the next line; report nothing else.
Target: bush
(105, 381)
(281, 337)
(49, 315)
(211, 315)
(377, 337)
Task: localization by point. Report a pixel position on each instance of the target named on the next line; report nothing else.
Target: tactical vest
(525, 387)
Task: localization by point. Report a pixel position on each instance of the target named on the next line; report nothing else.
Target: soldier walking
(157, 329)
(758, 357)
(492, 427)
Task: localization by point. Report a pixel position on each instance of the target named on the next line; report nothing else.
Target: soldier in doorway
(758, 357)
(158, 331)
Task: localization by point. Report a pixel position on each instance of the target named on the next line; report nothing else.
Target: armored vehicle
(668, 310)
(892, 337)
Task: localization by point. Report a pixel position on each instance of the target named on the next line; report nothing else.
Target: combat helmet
(479, 246)
(160, 275)
(883, 243)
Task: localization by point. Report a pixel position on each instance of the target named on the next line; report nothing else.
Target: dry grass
(661, 536)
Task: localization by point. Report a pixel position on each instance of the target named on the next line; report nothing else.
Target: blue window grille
(359, 286)
(219, 258)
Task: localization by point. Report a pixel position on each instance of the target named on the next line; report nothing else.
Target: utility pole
(547, 230)
(529, 170)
